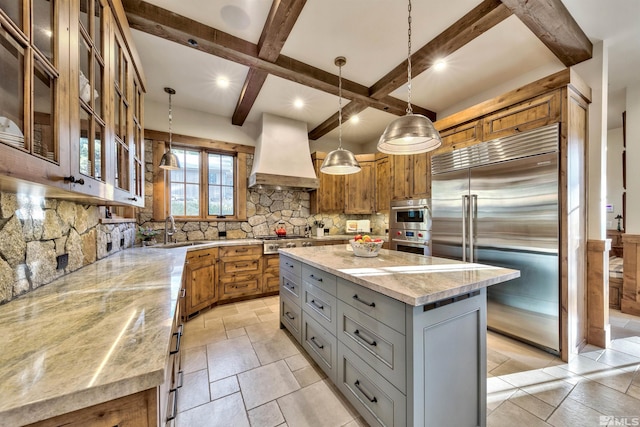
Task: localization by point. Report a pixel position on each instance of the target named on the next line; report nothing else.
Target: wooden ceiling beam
(168, 25)
(282, 17)
(482, 18)
(479, 20)
(552, 23)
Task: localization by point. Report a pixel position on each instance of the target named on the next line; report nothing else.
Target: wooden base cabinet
(240, 271)
(271, 273)
(200, 280)
(399, 365)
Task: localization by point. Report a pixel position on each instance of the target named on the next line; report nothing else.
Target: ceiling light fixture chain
(409, 108)
(170, 92)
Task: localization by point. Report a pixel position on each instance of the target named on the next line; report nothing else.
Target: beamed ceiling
(284, 47)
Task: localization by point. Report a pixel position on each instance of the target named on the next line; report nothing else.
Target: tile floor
(242, 370)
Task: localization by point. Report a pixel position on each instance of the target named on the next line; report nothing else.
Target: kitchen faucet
(169, 232)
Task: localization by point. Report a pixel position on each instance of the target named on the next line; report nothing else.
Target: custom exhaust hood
(282, 159)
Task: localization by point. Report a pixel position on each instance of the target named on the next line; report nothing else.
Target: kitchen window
(205, 186)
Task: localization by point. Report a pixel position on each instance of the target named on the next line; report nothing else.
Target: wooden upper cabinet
(34, 58)
(329, 197)
(410, 176)
(461, 136)
(534, 113)
(360, 187)
(383, 183)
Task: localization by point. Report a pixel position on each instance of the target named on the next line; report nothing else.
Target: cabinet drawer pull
(318, 279)
(289, 315)
(241, 250)
(178, 335)
(318, 306)
(183, 292)
(288, 265)
(181, 379)
(370, 304)
(241, 286)
(174, 412)
(313, 340)
(242, 265)
(363, 338)
(290, 286)
(365, 393)
(203, 255)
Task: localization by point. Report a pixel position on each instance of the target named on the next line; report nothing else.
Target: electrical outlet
(122, 242)
(62, 261)
(109, 246)
(222, 234)
(326, 231)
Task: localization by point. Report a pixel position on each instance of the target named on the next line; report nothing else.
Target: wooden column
(598, 327)
(630, 287)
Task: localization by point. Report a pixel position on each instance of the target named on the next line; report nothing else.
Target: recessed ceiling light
(298, 103)
(223, 82)
(440, 65)
(354, 119)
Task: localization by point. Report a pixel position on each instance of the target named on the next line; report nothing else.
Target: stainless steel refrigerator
(497, 203)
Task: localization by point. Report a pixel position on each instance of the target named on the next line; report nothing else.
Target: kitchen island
(402, 336)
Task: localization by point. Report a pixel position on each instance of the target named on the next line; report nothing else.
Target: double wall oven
(410, 226)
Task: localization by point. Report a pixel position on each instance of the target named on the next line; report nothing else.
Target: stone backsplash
(35, 231)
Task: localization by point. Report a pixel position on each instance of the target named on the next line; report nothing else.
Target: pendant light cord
(170, 120)
(409, 109)
(340, 105)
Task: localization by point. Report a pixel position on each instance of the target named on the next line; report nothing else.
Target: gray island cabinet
(402, 336)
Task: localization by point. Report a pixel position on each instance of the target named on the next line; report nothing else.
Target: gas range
(271, 244)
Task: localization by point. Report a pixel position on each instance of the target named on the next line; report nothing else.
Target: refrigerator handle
(473, 213)
(465, 200)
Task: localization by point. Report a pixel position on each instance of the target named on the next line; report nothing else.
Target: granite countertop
(96, 334)
(413, 279)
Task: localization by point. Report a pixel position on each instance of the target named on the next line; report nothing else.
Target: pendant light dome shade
(340, 161)
(169, 160)
(410, 134)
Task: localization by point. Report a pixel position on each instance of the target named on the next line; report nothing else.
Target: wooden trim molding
(630, 302)
(598, 326)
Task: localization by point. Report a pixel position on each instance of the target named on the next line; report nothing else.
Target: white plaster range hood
(282, 159)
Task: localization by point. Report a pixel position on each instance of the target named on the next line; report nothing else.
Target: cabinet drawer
(319, 278)
(380, 346)
(292, 288)
(270, 282)
(202, 253)
(290, 265)
(291, 316)
(240, 286)
(244, 266)
(320, 305)
(247, 250)
(321, 345)
(271, 263)
(387, 310)
(379, 402)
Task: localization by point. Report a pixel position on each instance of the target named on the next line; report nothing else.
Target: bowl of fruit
(365, 246)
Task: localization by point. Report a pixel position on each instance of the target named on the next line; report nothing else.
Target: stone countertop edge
(412, 279)
(91, 336)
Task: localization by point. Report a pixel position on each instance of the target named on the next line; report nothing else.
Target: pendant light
(340, 161)
(169, 160)
(412, 133)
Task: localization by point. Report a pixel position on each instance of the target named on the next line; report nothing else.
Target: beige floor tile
(267, 415)
(498, 391)
(195, 323)
(266, 383)
(250, 305)
(296, 362)
(563, 374)
(194, 391)
(634, 391)
(270, 317)
(277, 348)
(263, 331)
(614, 378)
(220, 311)
(540, 384)
(230, 357)
(199, 337)
(627, 345)
(510, 415)
(309, 375)
(313, 406)
(604, 399)
(234, 333)
(263, 311)
(226, 412)
(571, 413)
(240, 320)
(194, 359)
(618, 359)
(532, 404)
(224, 387)
(358, 422)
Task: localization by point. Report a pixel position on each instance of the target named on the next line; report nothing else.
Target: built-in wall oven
(410, 226)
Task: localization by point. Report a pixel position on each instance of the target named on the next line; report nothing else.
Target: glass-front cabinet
(71, 98)
(34, 70)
